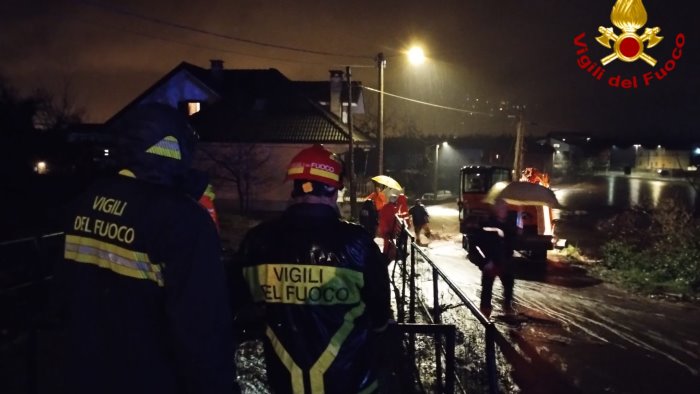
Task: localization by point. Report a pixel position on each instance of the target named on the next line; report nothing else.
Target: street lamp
(435, 177)
(381, 64)
(415, 56)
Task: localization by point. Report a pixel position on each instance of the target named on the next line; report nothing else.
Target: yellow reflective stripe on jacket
(167, 147)
(288, 362)
(209, 192)
(112, 257)
(301, 284)
(326, 359)
(127, 173)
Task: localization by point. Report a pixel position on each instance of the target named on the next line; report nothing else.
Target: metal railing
(35, 256)
(405, 241)
(26, 268)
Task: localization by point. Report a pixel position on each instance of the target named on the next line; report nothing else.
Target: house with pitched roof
(252, 122)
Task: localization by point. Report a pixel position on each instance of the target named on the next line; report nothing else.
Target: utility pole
(435, 173)
(519, 148)
(381, 64)
(351, 147)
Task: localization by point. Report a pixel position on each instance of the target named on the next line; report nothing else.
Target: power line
(122, 11)
(428, 104)
(184, 43)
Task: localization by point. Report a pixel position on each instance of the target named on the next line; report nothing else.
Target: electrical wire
(184, 43)
(122, 11)
(428, 103)
(125, 12)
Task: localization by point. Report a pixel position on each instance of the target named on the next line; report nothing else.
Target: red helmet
(317, 164)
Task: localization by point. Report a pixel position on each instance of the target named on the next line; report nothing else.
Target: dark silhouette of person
(421, 219)
(144, 291)
(496, 243)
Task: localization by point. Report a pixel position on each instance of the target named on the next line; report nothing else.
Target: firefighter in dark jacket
(322, 284)
(146, 303)
(497, 241)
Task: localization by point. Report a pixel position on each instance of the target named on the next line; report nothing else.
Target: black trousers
(507, 280)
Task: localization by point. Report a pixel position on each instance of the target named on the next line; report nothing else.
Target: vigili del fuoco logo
(629, 16)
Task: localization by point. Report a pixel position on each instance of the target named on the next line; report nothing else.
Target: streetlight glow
(437, 157)
(416, 55)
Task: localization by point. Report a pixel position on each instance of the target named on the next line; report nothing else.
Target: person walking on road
(421, 219)
(496, 242)
(145, 302)
(320, 285)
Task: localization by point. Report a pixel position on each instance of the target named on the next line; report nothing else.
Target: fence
(26, 272)
(25, 278)
(408, 300)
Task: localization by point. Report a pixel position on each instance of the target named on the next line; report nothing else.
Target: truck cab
(535, 224)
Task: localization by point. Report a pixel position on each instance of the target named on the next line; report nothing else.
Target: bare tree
(56, 112)
(239, 165)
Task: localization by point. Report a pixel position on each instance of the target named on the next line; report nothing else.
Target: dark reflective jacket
(324, 287)
(146, 298)
(145, 291)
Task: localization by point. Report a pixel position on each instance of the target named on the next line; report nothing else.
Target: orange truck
(535, 222)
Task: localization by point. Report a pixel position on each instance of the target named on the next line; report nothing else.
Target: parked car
(441, 195)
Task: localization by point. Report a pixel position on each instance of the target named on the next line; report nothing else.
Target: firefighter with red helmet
(320, 283)
(142, 283)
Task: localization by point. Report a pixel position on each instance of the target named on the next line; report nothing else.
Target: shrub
(654, 250)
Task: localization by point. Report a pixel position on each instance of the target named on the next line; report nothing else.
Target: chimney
(216, 68)
(336, 85)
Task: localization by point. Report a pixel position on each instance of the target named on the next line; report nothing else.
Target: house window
(193, 107)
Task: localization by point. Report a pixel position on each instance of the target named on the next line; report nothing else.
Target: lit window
(193, 107)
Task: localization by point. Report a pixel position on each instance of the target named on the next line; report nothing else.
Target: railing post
(436, 320)
(450, 343)
(412, 295)
(491, 371)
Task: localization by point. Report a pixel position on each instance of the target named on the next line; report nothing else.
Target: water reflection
(623, 192)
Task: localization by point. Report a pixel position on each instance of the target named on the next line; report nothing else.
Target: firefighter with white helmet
(321, 284)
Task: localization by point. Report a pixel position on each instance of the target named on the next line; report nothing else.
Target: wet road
(601, 339)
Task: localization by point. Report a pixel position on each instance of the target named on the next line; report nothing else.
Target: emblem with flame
(628, 16)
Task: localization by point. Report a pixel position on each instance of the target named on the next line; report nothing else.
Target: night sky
(105, 53)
